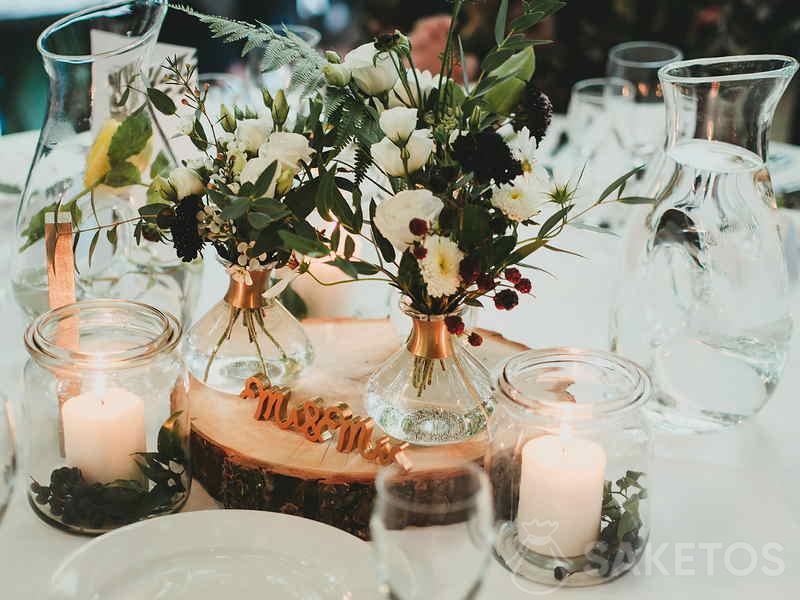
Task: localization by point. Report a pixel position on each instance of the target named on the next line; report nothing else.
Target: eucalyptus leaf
(130, 137)
(161, 101)
(93, 245)
(236, 208)
(122, 174)
(303, 245)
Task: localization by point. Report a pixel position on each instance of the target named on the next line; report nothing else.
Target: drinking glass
(633, 95)
(8, 462)
(433, 537)
(586, 118)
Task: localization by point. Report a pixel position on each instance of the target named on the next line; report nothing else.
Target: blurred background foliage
(583, 31)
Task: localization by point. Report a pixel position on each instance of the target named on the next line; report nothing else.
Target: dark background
(583, 31)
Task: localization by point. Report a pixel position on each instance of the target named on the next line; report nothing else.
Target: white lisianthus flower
(253, 170)
(251, 133)
(441, 265)
(523, 148)
(398, 123)
(186, 182)
(399, 96)
(389, 157)
(393, 216)
(523, 197)
(287, 148)
(373, 71)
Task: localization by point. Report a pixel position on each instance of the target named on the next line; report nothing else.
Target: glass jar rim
(86, 14)
(615, 52)
(638, 383)
(667, 73)
(41, 336)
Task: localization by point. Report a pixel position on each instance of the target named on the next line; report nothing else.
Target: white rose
(251, 133)
(389, 158)
(398, 123)
(253, 170)
(287, 148)
(522, 198)
(186, 182)
(399, 96)
(394, 215)
(373, 74)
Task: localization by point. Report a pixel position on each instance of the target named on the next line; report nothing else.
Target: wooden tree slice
(252, 464)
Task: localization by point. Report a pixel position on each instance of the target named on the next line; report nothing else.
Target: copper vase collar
(241, 295)
(430, 339)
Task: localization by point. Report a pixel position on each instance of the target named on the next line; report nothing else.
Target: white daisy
(523, 148)
(522, 198)
(440, 266)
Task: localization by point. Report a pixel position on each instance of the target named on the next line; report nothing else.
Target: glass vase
(569, 460)
(99, 146)
(105, 415)
(247, 334)
(704, 304)
(433, 390)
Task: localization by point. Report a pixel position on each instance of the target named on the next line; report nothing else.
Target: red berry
(469, 269)
(524, 286)
(513, 275)
(506, 299)
(454, 324)
(486, 282)
(420, 252)
(418, 227)
(475, 339)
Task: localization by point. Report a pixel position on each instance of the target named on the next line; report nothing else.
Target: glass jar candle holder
(106, 415)
(569, 463)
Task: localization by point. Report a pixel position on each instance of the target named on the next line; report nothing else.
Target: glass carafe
(99, 147)
(704, 302)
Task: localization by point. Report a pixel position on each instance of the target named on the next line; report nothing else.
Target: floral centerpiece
(455, 201)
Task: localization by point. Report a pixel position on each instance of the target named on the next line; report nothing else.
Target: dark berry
(455, 324)
(420, 252)
(418, 227)
(506, 299)
(475, 339)
(486, 282)
(560, 573)
(513, 274)
(524, 286)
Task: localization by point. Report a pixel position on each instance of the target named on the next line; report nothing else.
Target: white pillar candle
(102, 431)
(560, 495)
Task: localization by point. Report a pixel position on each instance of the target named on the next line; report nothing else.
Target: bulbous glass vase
(99, 146)
(704, 304)
(433, 390)
(247, 334)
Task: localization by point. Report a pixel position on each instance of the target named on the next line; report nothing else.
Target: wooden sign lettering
(319, 423)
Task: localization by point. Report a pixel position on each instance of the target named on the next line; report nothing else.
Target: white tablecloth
(726, 507)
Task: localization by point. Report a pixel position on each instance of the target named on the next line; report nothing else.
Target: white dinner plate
(219, 555)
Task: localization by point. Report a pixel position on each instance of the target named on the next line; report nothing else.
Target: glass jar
(106, 415)
(99, 147)
(569, 462)
(433, 390)
(247, 334)
(704, 301)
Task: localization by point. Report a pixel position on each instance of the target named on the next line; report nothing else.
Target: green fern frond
(279, 48)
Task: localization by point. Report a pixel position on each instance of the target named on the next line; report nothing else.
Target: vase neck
(430, 339)
(727, 99)
(241, 295)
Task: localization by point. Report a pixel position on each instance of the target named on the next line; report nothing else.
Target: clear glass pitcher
(704, 301)
(99, 147)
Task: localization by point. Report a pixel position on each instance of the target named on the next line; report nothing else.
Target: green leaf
(526, 21)
(130, 138)
(198, 136)
(593, 228)
(160, 166)
(122, 174)
(364, 268)
(332, 198)
(236, 208)
(554, 219)
(500, 22)
(294, 303)
(169, 439)
(264, 180)
(271, 208)
(618, 183)
(384, 246)
(303, 245)
(93, 245)
(626, 524)
(349, 247)
(111, 236)
(636, 200)
(474, 225)
(259, 219)
(151, 211)
(500, 249)
(161, 101)
(300, 200)
(523, 251)
(9, 188)
(345, 266)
